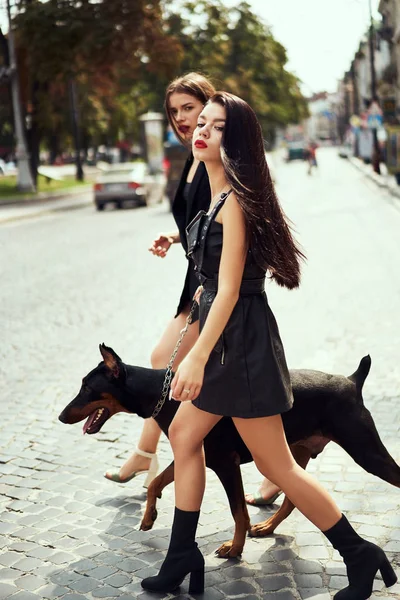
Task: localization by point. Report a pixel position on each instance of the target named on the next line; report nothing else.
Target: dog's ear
(111, 360)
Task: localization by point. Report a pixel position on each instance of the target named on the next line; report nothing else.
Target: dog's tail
(361, 374)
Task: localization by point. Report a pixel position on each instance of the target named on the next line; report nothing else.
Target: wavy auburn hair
(243, 156)
(193, 84)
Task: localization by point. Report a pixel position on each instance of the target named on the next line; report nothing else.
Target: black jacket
(184, 211)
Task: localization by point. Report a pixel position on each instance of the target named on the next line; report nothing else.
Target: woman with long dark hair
(237, 366)
(185, 98)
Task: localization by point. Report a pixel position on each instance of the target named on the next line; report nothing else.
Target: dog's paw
(262, 529)
(148, 520)
(229, 550)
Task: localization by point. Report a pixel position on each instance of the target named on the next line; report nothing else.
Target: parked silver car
(128, 182)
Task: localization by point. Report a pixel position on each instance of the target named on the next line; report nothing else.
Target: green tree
(121, 55)
(237, 49)
(101, 46)
(6, 120)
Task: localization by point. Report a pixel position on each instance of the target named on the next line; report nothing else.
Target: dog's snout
(62, 417)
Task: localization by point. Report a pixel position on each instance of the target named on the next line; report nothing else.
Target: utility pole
(25, 181)
(372, 54)
(376, 152)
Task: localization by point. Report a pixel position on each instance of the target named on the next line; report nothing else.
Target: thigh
(191, 425)
(266, 440)
(169, 338)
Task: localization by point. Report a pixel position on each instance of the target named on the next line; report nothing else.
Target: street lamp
(25, 180)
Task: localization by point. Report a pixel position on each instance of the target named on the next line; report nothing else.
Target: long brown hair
(243, 156)
(193, 84)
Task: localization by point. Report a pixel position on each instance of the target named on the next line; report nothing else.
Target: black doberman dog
(326, 408)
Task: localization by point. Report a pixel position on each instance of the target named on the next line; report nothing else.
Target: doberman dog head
(101, 394)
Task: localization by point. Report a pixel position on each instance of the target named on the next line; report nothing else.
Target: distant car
(128, 182)
(296, 150)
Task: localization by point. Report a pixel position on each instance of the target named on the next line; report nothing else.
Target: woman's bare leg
(186, 433)
(265, 438)
(267, 489)
(160, 356)
(148, 443)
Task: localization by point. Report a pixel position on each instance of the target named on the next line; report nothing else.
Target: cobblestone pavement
(73, 279)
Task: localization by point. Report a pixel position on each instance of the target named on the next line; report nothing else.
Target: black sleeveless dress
(246, 374)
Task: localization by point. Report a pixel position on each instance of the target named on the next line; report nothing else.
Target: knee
(181, 439)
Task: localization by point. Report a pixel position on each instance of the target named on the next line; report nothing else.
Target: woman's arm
(163, 242)
(233, 258)
(175, 236)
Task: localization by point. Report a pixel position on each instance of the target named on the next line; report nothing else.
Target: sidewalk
(45, 202)
(385, 180)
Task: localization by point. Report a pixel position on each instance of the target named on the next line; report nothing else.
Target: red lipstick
(200, 144)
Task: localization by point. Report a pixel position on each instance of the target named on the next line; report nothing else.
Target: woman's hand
(198, 293)
(188, 379)
(161, 245)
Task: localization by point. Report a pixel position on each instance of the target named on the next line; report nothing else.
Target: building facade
(389, 86)
(322, 123)
(355, 90)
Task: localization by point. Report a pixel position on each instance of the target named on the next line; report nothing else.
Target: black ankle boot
(362, 559)
(183, 557)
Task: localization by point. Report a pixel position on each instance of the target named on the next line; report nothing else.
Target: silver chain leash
(168, 374)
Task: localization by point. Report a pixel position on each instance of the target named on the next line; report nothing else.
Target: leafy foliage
(122, 53)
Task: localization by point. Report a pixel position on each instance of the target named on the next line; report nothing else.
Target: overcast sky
(321, 36)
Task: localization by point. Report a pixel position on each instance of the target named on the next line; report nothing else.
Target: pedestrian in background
(311, 154)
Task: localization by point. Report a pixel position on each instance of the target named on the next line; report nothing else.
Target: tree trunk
(33, 133)
(54, 147)
(4, 48)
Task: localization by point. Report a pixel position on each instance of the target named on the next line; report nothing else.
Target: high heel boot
(183, 557)
(362, 559)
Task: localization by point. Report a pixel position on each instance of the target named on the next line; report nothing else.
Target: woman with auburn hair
(237, 367)
(185, 98)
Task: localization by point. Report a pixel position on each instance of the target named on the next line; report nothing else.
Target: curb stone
(44, 196)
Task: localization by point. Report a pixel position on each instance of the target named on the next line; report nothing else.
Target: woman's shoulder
(230, 202)
(230, 208)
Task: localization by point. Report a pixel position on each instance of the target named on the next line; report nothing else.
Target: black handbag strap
(203, 234)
